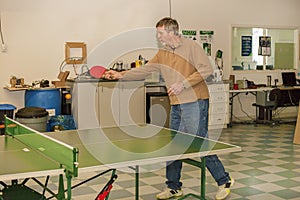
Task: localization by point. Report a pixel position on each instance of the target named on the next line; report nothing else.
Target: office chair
(275, 96)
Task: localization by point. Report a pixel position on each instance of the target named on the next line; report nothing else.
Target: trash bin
(33, 117)
(8, 110)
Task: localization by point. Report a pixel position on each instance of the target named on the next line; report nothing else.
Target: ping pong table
(26, 153)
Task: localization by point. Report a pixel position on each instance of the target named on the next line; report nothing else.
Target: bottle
(245, 82)
(269, 81)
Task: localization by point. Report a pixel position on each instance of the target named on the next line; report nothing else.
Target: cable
(291, 100)
(170, 8)
(74, 66)
(241, 106)
(1, 34)
(63, 63)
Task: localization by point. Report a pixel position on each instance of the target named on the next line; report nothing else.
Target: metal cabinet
(218, 106)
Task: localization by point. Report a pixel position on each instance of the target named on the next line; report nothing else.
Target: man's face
(163, 36)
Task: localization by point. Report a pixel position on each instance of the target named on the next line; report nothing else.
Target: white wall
(35, 31)
(220, 16)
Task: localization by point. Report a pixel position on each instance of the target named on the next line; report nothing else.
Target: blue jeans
(193, 118)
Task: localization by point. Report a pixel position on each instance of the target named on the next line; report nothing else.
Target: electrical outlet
(3, 47)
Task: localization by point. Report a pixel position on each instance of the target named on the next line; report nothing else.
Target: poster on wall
(190, 34)
(206, 39)
(264, 48)
(246, 48)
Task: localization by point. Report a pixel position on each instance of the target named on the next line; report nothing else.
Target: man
(184, 67)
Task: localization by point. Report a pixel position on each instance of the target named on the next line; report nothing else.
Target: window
(255, 48)
(256, 32)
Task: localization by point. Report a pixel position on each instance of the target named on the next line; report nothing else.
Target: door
(159, 110)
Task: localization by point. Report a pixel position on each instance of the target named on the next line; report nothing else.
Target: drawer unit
(216, 97)
(218, 106)
(218, 87)
(219, 119)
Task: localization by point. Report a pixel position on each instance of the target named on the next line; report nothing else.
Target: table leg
(61, 188)
(136, 182)
(231, 109)
(203, 177)
(137, 171)
(202, 166)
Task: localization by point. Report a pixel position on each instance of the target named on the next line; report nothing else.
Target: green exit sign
(189, 32)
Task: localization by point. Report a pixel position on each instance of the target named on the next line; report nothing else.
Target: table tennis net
(64, 154)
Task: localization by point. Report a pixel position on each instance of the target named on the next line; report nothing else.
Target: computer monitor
(289, 78)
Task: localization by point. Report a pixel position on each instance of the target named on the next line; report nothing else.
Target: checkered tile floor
(268, 167)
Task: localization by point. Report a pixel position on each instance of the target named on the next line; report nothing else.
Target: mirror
(75, 53)
(262, 48)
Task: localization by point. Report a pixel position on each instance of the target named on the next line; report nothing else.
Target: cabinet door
(132, 103)
(159, 110)
(108, 105)
(84, 105)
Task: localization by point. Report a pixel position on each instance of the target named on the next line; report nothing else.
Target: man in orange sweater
(184, 66)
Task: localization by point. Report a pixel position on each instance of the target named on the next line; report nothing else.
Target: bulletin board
(264, 46)
(284, 56)
(246, 48)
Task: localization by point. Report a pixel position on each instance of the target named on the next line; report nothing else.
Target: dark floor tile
(246, 191)
(287, 194)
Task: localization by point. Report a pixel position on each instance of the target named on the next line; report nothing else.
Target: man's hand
(175, 89)
(112, 75)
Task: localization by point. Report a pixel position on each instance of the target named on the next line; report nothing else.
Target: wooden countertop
(31, 88)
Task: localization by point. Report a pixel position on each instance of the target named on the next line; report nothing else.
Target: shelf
(29, 88)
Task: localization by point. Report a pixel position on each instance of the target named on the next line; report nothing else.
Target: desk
(28, 153)
(234, 93)
(282, 97)
(277, 97)
(285, 96)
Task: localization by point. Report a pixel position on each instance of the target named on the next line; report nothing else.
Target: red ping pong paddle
(97, 71)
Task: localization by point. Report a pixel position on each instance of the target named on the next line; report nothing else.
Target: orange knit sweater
(187, 64)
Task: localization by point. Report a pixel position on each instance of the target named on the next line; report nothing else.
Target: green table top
(137, 145)
(103, 148)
